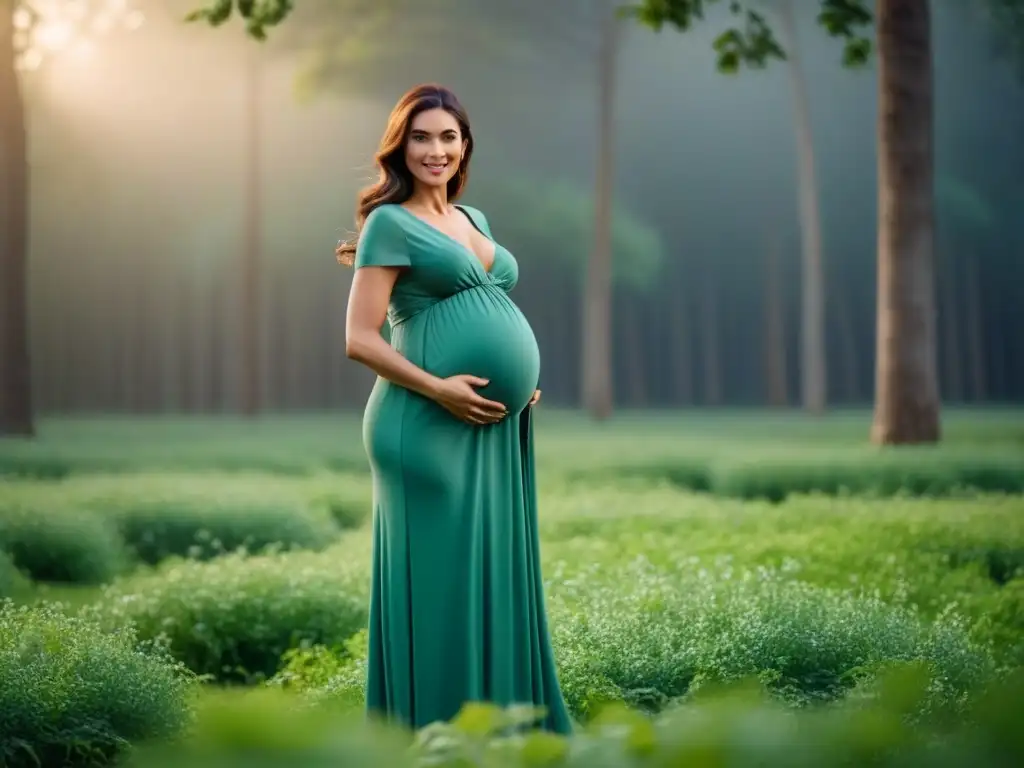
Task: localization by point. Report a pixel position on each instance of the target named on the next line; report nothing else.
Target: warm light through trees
(45, 28)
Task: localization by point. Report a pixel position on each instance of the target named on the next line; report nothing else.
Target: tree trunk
(16, 409)
(252, 240)
(597, 299)
(636, 331)
(975, 330)
(813, 363)
(906, 386)
(848, 344)
(775, 326)
(681, 351)
(712, 354)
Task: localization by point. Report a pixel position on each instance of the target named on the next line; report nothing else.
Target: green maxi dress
(457, 607)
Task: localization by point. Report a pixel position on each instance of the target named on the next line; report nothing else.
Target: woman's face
(434, 148)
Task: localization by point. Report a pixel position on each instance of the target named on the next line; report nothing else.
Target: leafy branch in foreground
(257, 14)
(752, 43)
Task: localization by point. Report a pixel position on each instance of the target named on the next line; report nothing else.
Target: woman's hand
(535, 398)
(457, 396)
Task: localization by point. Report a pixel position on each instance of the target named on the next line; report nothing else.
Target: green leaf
(478, 719)
(857, 53)
(542, 748)
(729, 63)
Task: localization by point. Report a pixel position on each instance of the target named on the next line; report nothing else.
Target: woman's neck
(432, 200)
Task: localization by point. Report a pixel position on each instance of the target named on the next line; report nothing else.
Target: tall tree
(906, 388)
(23, 25)
(813, 352)
(906, 368)
(252, 239)
(16, 413)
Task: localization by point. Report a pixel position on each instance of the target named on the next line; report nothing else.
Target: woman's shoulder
(385, 219)
(385, 212)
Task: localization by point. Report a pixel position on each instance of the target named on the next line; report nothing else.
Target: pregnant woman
(457, 608)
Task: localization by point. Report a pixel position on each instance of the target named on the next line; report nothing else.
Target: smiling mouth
(436, 166)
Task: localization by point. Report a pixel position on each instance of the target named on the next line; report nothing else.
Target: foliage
(75, 695)
(258, 15)
(60, 543)
(657, 598)
(957, 556)
(335, 675)
(677, 630)
(12, 581)
(233, 618)
(753, 44)
(673, 633)
(319, 461)
(158, 529)
(734, 726)
(267, 728)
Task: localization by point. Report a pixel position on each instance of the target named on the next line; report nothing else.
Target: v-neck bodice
(458, 243)
(460, 314)
(436, 265)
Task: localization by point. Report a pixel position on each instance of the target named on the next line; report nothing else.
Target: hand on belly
(458, 396)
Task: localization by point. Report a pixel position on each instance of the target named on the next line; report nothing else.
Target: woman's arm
(367, 310)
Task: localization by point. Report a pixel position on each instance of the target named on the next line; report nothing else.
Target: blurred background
(189, 185)
(198, 472)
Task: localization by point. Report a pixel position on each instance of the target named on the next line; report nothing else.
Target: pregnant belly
(483, 333)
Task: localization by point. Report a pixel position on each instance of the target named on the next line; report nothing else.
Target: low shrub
(12, 581)
(776, 475)
(924, 554)
(671, 634)
(734, 726)
(74, 695)
(232, 618)
(61, 544)
(909, 472)
(202, 529)
(270, 728)
(336, 675)
(348, 499)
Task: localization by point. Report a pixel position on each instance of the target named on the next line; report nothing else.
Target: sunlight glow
(48, 28)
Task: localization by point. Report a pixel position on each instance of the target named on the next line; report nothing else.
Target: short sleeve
(382, 241)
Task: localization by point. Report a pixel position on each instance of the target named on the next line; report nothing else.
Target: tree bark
(16, 407)
(597, 299)
(774, 326)
(813, 353)
(848, 345)
(906, 381)
(636, 333)
(252, 241)
(681, 351)
(713, 394)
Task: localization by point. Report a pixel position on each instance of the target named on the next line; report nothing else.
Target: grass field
(871, 597)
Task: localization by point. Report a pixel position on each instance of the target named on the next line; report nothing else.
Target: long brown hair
(395, 182)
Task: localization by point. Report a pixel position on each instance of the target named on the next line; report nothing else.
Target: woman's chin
(432, 181)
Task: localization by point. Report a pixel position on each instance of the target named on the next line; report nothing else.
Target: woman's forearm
(376, 354)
